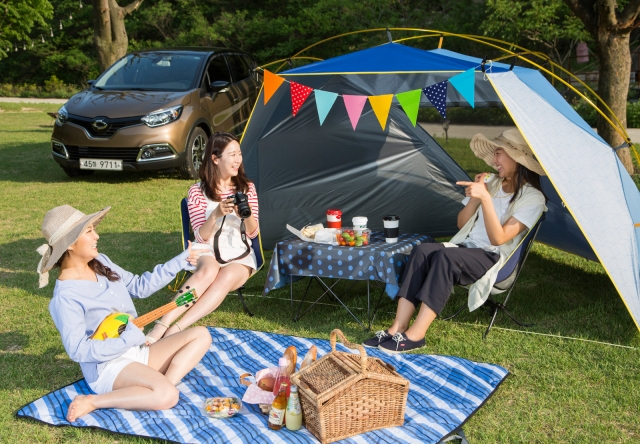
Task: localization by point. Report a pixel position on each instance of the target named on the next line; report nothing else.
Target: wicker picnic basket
(343, 394)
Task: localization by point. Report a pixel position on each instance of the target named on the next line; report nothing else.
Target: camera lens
(241, 201)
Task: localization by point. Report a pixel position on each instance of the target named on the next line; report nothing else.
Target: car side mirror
(219, 86)
(90, 82)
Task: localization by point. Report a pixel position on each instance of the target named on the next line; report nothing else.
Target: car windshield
(151, 72)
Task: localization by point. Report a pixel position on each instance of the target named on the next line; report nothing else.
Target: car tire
(195, 152)
(77, 172)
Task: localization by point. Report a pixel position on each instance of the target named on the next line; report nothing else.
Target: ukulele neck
(145, 319)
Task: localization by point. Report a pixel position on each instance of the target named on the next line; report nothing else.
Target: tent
(302, 167)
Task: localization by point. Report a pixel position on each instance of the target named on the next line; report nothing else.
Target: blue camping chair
(506, 280)
(187, 234)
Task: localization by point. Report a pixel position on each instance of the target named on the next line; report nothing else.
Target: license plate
(100, 164)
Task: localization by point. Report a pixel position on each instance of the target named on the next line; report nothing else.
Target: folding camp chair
(187, 234)
(506, 280)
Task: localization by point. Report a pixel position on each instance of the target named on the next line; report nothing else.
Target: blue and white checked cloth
(444, 392)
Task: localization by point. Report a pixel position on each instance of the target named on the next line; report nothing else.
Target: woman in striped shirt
(210, 203)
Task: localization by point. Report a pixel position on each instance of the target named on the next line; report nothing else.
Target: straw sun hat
(514, 145)
(62, 226)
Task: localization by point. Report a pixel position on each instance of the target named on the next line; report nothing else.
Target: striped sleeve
(197, 205)
(252, 197)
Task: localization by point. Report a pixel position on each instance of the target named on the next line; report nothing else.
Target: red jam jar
(334, 218)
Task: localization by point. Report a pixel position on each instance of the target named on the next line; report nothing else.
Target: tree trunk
(109, 32)
(613, 86)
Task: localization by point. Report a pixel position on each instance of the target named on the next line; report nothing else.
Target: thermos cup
(391, 228)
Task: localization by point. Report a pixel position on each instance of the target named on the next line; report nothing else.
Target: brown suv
(155, 110)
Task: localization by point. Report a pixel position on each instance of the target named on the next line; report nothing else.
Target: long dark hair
(525, 175)
(98, 268)
(210, 173)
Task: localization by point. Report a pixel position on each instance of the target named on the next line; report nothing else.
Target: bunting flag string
(381, 106)
(271, 84)
(324, 102)
(299, 94)
(437, 95)
(464, 83)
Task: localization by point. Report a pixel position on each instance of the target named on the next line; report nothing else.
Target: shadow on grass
(41, 168)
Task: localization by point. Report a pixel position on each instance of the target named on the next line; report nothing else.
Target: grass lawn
(581, 387)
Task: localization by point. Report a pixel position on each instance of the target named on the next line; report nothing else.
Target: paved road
(467, 131)
(455, 131)
(31, 100)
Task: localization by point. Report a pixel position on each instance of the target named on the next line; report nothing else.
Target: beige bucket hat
(62, 226)
(513, 143)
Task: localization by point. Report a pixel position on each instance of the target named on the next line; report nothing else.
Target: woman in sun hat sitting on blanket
(212, 212)
(123, 372)
(497, 214)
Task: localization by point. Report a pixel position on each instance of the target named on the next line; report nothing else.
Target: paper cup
(359, 224)
(391, 228)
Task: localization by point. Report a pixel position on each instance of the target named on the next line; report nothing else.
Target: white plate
(101, 164)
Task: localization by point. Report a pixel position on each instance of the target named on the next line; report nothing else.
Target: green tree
(545, 24)
(18, 20)
(610, 26)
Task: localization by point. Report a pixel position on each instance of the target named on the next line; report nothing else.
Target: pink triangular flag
(299, 94)
(354, 105)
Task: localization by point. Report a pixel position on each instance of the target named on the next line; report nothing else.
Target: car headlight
(63, 115)
(162, 117)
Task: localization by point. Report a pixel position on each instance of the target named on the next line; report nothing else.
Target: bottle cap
(294, 388)
(283, 362)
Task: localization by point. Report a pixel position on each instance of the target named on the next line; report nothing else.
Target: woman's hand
(477, 189)
(226, 207)
(194, 255)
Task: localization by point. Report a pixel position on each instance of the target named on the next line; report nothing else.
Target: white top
(478, 237)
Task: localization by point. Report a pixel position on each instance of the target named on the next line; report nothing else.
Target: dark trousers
(433, 270)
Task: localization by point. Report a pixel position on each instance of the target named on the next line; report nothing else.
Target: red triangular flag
(299, 94)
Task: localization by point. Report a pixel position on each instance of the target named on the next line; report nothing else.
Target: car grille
(84, 152)
(113, 125)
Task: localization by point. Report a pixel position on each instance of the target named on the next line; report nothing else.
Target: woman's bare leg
(177, 355)
(404, 312)
(423, 321)
(137, 387)
(150, 387)
(201, 280)
(228, 279)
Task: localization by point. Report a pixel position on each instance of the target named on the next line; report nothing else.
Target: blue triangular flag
(437, 95)
(465, 84)
(324, 102)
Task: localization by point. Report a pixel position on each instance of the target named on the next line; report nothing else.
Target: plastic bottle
(282, 377)
(278, 407)
(294, 412)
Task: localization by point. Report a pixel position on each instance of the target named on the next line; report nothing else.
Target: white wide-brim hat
(514, 145)
(62, 226)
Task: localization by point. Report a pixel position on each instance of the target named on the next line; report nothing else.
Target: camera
(242, 202)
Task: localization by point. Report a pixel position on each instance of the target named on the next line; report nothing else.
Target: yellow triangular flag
(271, 84)
(381, 106)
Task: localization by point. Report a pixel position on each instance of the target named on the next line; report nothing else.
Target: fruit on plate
(266, 383)
(353, 239)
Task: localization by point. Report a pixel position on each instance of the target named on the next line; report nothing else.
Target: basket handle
(360, 348)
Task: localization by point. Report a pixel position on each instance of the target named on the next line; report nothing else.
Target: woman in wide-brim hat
(499, 210)
(123, 372)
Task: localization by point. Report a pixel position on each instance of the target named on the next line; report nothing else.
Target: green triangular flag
(410, 102)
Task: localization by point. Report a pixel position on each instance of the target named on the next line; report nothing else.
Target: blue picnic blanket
(444, 392)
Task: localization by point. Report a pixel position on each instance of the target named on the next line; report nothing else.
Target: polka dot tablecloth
(294, 259)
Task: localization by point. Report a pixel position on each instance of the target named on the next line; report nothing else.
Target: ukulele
(113, 325)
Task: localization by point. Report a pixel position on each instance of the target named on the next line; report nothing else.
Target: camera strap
(243, 236)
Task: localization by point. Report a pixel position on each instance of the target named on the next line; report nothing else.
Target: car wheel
(195, 152)
(76, 172)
